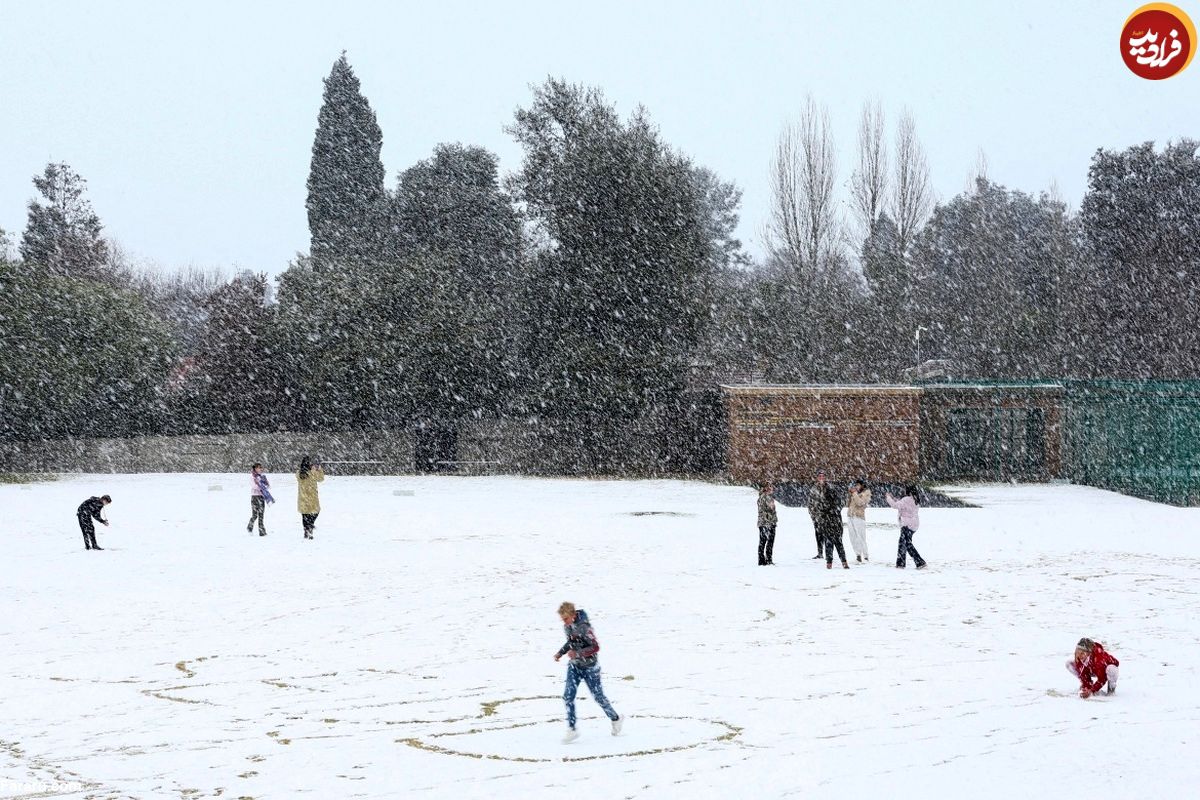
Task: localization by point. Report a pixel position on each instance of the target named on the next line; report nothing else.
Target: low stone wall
(357, 453)
(684, 443)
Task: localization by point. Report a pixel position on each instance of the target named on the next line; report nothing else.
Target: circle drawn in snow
(537, 742)
(659, 514)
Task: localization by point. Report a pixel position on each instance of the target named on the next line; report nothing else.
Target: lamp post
(917, 336)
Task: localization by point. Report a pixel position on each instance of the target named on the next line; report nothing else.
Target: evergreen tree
(346, 197)
(63, 232)
(1136, 309)
(987, 265)
(79, 358)
(620, 295)
(451, 216)
(883, 264)
(235, 380)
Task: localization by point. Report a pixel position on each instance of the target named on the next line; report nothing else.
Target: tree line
(602, 281)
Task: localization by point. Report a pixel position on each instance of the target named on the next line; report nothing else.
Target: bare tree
(912, 199)
(868, 184)
(803, 229)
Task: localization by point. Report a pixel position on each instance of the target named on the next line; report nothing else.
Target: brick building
(895, 434)
(784, 433)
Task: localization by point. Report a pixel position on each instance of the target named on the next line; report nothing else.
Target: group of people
(825, 509)
(1095, 668)
(308, 502)
(308, 499)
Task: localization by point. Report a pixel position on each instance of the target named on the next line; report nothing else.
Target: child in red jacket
(1094, 666)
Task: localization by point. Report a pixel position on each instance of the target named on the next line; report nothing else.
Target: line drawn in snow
(727, 733)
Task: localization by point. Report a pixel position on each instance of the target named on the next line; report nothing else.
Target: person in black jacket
(825, 508)
(767, 520)
(88, 510)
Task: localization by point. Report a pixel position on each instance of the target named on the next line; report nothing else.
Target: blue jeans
(590, 676)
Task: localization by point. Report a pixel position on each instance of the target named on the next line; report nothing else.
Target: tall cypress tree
(63, 233)
(345, 182)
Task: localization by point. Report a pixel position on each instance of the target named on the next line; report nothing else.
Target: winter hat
(1085, 644)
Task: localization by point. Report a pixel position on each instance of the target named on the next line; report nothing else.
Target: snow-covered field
(407, 650)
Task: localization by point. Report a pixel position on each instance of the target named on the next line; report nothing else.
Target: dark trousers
(89, 532)
(310, 522)
(766, 543)
(906, 548)
(820, 541)
(258, 506)
(834, 540)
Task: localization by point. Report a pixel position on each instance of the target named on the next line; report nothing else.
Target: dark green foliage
(79, 358)
(233, 378)
(620, 294)
(346, 199)
(987, 266)
(1137, 304)
(63, 232)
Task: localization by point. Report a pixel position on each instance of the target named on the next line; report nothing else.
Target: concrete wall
(359, 453)
(680, 442)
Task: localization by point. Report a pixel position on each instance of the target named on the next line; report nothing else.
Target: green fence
(1137, 437)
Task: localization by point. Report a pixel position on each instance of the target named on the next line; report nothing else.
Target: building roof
(825, 388)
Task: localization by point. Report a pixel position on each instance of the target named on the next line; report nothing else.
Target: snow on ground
(407, 650)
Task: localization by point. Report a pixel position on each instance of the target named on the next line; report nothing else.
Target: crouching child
(1095, 667)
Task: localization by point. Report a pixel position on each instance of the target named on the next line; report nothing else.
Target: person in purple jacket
(260, 495)
(909, 521)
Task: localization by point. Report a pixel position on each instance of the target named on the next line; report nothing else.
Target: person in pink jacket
(910, 520)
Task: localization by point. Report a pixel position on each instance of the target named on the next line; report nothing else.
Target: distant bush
(26, 477)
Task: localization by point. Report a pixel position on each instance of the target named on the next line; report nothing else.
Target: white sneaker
(616, 725)
(570, 736)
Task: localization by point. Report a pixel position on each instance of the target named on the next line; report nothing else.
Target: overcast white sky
(193, 122)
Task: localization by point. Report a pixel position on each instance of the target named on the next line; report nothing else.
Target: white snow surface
(407, 650)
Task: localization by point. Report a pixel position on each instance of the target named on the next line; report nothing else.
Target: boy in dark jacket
(581, 648)
(88, 510)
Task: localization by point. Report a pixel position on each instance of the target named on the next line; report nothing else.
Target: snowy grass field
(407, 650)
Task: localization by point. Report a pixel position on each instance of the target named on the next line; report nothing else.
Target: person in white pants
(856, 518)
(1094, 667)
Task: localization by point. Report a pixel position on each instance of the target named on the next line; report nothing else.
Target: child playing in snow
(581, 649)
(260, 495)
(909, 522)
(90, 510)
(307, 497)
(1094, 666)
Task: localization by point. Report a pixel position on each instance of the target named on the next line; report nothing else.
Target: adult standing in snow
(88, 510)
(909, 522)
(307, 499)
(1094, 666)
(581, 649)
(826, 511)
(767, 520)
(856, 518)
(260, 495)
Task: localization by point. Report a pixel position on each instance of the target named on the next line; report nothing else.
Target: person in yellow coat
(307, 478)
